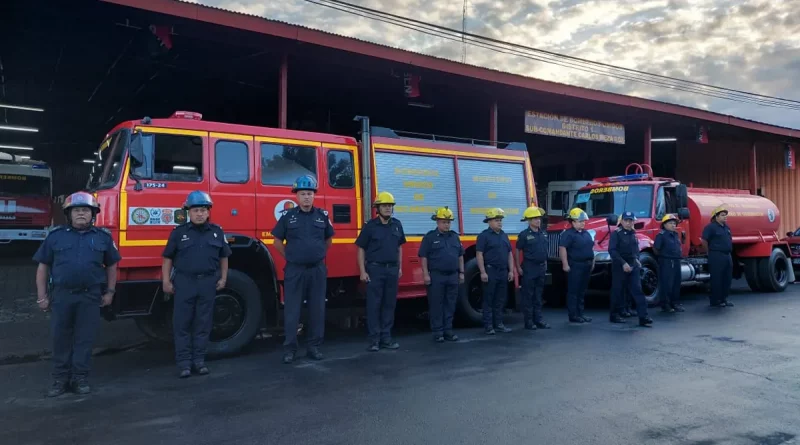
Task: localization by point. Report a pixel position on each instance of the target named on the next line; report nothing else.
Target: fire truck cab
(26, 191)
(146, 168)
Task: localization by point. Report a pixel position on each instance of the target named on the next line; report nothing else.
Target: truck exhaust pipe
(366, 167)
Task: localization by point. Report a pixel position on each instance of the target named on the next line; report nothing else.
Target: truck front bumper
(22, 234)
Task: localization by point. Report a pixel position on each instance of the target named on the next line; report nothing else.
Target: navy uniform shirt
(442, 251)
(718, 237)
(77, 259)
(495, 247)
(196, 248)
(381, 241)
(579, 245)
(668, 245)
(533, 245)
(305, 233)
(623, 247)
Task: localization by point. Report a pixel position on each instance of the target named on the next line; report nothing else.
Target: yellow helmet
(577, 214)
(721, 208)
(532, 212)
(669, 217)
(384, 198)
(495, 213)
(443, 213)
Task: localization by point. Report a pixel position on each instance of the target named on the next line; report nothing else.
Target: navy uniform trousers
(381, 299)
(442, 296)
(495, 292)
(301, 282)
(75, 316)
(669, 281)
(720, 266)
(533, 278)
(630, 282)
(577, 283)
(193, 316)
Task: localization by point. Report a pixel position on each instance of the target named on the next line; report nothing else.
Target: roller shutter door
(489, 184)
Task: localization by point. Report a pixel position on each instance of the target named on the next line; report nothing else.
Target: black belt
(306, 265)
(489, 266)
(720, 251)
(534, 263)
(197, 275)
(444, 272)
(381, 264)
(580, 261)
(80, 290)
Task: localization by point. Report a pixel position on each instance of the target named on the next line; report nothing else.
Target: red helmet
(81, 199)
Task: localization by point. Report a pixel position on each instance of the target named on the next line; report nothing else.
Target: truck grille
(553, 250)
(12, 221)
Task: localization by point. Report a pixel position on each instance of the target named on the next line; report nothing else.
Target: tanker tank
(751, 218)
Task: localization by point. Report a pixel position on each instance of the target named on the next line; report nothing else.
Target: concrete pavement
(707, 376)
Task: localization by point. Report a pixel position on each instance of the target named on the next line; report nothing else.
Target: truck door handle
(413, 260)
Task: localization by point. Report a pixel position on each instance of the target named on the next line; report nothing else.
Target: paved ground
(708, 376)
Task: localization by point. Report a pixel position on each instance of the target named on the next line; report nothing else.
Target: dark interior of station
(91, 65)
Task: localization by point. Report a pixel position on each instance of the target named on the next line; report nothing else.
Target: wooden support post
(283, 85)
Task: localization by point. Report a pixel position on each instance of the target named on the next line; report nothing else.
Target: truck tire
(751, 274)
(649, 278)
(470, 296)
(773, 272)
(238, 311)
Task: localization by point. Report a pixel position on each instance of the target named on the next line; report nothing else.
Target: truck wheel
(470, 295)
(751, 274)
(649, 277)
(773, 272)
(238, 311)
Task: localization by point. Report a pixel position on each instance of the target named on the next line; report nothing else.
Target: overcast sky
(747, 44)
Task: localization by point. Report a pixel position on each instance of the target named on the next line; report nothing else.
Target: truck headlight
(592, 233)
(600, 257)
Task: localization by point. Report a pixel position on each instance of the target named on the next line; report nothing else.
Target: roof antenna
(464, 33)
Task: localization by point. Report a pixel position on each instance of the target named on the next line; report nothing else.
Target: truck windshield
(24, 185)
(107, 167)
(613, 200)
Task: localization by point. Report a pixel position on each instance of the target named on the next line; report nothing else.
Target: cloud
(747, 45)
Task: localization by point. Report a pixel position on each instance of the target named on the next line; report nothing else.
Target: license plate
(796, 261)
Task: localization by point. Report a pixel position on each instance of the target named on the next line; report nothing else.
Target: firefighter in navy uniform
(623, 247)
(575, 249)
(380, 255)
(198, 252)
(532, 246)
(496, 263)
(308, 233)
(668, 249)
(718, 242)
(442, 257)
(81, 260)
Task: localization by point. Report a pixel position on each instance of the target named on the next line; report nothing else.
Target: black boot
(678, 308)
(438, 338)
(374, 347)
(586, 319)
(530, 326)
(288, 358)
(449, 336)
(184, 373)
(542, 325)
(313, 353)
(57, 388)
(726, 303)
(501, 328)
(201, 369)
(615, 318)
(667, 310)
(390, 344)
(645, 321)
(488, 331)
(81, 386)
(578, 320)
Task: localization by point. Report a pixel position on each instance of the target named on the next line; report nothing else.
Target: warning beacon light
(187, 115)
(623, 178)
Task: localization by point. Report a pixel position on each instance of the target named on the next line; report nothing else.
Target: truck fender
(645, 242)
(238, 242)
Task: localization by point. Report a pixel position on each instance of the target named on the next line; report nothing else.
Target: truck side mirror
(565, 203)
(789, 234)
(611, 220)
(682, 193)
(683, 213)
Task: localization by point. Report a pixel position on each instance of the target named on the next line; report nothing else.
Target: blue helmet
(198, 198)
(305, 182)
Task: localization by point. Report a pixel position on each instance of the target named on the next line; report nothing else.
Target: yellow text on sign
(483, 210)
(414, 209)
(415, 171)
(618, 188)
(418, 184)
(498, 179)
(492, 195)
(419, 196)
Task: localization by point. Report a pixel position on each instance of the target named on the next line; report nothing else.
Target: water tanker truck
(759, 254)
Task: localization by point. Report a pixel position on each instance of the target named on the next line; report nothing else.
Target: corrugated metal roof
(163, 6)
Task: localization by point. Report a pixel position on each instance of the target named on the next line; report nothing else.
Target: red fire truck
(759, 253)
(26, 192)
(146, 168)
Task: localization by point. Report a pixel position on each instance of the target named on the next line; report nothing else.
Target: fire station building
(90, 64)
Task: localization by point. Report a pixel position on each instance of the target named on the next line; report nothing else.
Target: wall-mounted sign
(574, 127)
(788, 156)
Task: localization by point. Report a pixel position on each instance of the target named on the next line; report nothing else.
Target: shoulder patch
(56, 229)
(619, 229)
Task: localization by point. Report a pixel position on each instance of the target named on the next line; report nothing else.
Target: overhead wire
(562, 60)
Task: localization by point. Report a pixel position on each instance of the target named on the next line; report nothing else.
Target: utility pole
(464, 33)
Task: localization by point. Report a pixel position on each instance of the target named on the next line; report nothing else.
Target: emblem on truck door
(282, 207)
